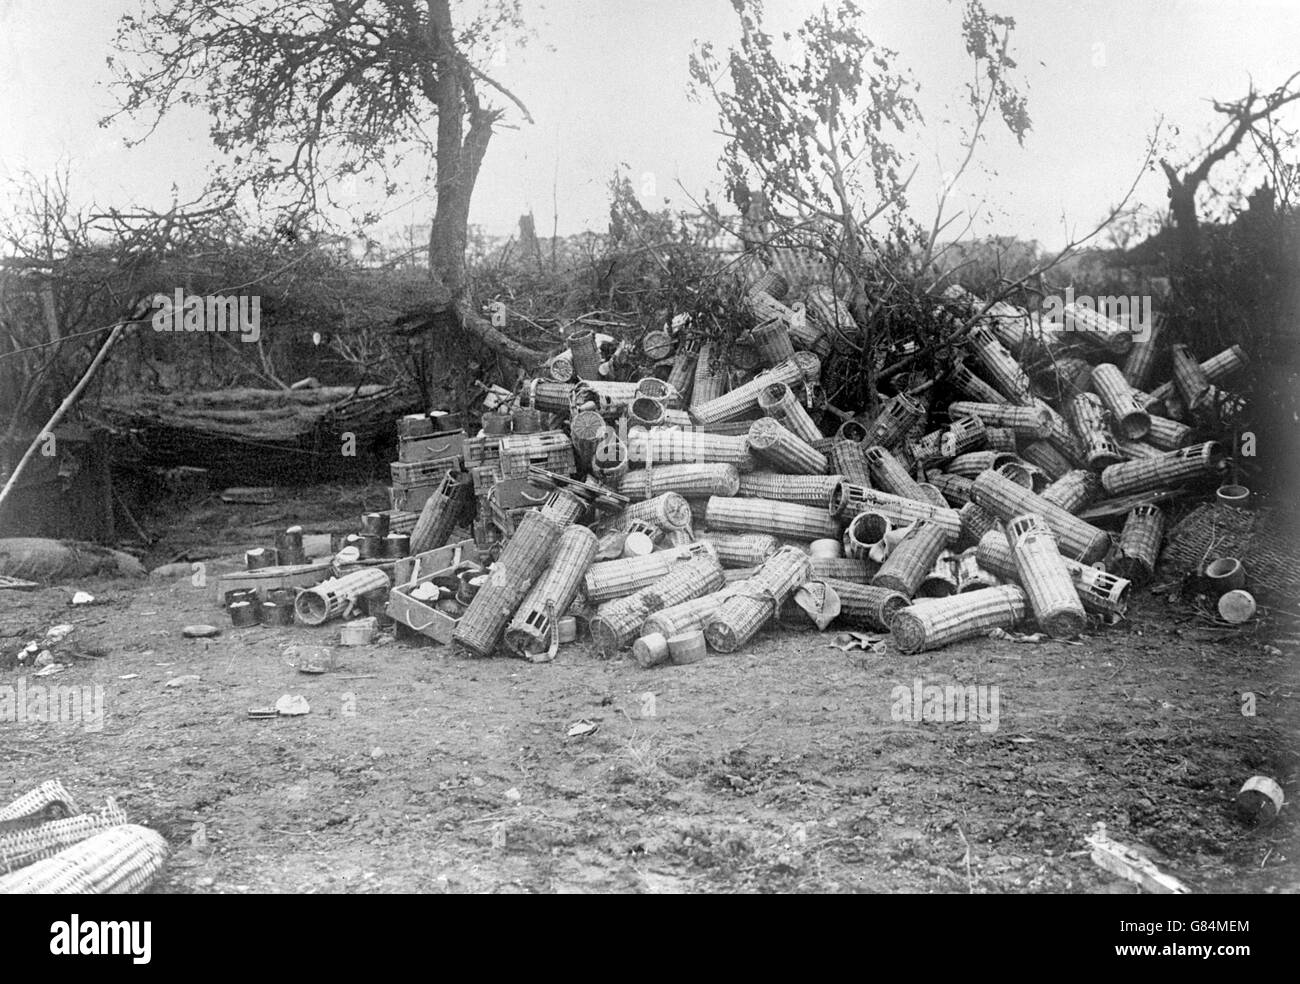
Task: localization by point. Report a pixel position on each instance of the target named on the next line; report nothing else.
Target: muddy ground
(780, 768)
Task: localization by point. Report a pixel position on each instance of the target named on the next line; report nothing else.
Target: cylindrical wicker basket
(972, 386)
(865, 604)
(971, 463)
(1006, 500)
(330, 599)
(710, 381)
(765, 515)
(847, 459)
(563, 507)
(1169, 469)
(669, 511)
(1169, 435)
(523, 559)
(609, 461)
(664, 446)
(779, 402)
(1029, 423)
(772, 340)
(975, 522)
(935, 622)
(1100, 592)
(682, 374)
(1046, 457)
(888, 473)
(800, 368)
(864, 531)
(954, 488)
(1192, 383)
(1139, 543)
(783, 450)
(941, 580)
(1142, 356)
(912, 559)
(1073, 490)
(896, 419)
(689, 579)
(970, 575)
(805, 490)
(586, 354)
(755, 601)
(439, 513)
(1000, 368)
(690, 481)
(530, 631)
(1045, 577)
(610, 579)
(859, 570)
(847, 500)
(1119, 398)
(686, 616)
(742, 549)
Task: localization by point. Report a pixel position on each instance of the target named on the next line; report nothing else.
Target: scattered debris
(1119, 859)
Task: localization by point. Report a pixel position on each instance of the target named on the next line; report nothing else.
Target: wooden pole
(66, 405)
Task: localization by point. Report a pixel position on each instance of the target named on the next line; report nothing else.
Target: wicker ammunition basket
(610, 579)
(697, 481)
(1043, 574)
(1131, 420)
(763, 515)
(936, 622)
(1006, 500)
(912, 559)
(1139, 544)
(756, 601)
(847, 500)
(330, 599)
(1169, 469)
(783, 450)
(804, 490)
(742, 549)
(530, 633)
(779, 402)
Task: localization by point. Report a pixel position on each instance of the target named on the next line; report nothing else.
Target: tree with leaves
(305, 94)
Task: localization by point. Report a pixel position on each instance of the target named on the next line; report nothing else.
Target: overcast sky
(606, 81)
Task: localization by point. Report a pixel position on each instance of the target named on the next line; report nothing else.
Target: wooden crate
(421, 616)
(411, 499)
(431, 447)
(266, 578)
(407, 474)
(485, 450)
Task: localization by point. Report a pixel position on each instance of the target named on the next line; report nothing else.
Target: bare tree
(304, 94)
(1250, 116)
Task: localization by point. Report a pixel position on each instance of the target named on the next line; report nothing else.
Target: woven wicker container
(1131, 421)
(757, 600)
(772, 340)
(617, 623)
(710, 381)
(970, 575)
(690, 481)
(1023, 473)
(1073, 490)
(1170, 469)
(936, 622)
(28, 845)
(1216, 369)
(804, 490)
(897, 418)
(47, 793)
(610, 579)
(1192, 383)
(1029, 423)
(587, 429)
(530, 631)
(801, 367)
(1169, 435)
(689, 579)
(1133, 450)
(646, 411)
(742, 549)
(941, 581)
(834, 316)
(609, 462)
(121, 860)
(439, 514)
(864, 604)
(783, 450)
(765, 515)
(971, 463)
(682, 375)
(523, 559)
(1062, 437)
(585, 352)
(779, 402)
(888, 473)
(1000, 439)
(1139, 543)
(661, 446)
(859, 570)
(972, 386)
(1043, 574)
(669, 511)
(1142, 356)
(954, 488)
(912, 559)
(658, 389)
(1089, 419)
(657, 345)
(1006, 500)
(563, 507)
(559, 368)
(772, 283)
(863, 532)
(847, 459)
(1041, 453)
(330, 599)
(847, 500)
(975, 522)
(999, 367)
(1100, 592)
(609, 399)
(685, 617)
(549, 396)
(1090, 326)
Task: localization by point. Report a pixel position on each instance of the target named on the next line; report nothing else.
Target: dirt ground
(779, 768)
